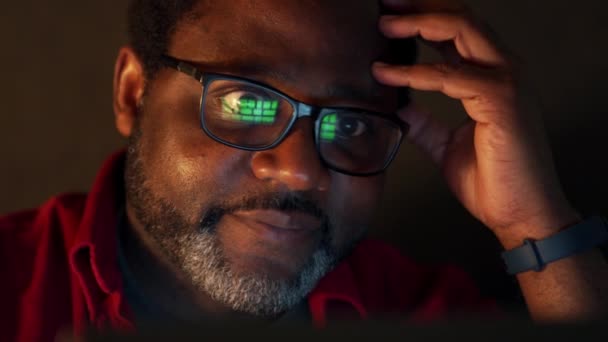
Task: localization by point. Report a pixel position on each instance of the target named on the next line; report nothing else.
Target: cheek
(352, 203)
(183, 165)
(191, 176)
(362, 193)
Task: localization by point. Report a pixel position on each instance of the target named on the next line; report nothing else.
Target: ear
(129, 85)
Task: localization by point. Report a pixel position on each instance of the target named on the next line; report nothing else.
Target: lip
(274, 225)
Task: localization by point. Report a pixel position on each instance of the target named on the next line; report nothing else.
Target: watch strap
(534, 255)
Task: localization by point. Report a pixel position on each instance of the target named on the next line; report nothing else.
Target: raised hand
(498, 164)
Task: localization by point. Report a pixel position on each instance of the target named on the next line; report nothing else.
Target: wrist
(534, 255)
(537, 228)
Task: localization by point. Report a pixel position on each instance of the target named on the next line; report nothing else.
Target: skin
(498, 164)
(190, 171)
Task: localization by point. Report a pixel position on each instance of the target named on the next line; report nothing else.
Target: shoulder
(33, 255)
(61, 212)
(24, 234)
(389, 279)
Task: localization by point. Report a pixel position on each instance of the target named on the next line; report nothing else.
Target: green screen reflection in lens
(252, 110)
(328, 127)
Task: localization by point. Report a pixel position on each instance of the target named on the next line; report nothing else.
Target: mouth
(284, 227)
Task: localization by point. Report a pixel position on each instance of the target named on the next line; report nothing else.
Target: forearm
(569, 289)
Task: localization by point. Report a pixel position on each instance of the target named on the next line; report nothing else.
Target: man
(258, 136)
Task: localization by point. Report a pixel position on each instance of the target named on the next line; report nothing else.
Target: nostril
(295, 173)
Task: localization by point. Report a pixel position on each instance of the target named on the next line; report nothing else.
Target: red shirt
(59, 269)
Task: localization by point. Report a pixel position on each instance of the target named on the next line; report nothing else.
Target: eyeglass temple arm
(182, 66)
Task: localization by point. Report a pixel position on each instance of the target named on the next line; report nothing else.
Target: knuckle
(445, 70)
(460, 20)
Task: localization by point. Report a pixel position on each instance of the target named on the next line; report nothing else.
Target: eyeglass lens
(250, 116)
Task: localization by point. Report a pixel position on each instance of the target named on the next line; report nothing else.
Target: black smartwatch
(535, 255)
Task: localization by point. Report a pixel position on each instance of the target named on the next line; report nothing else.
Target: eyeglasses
(250, 116)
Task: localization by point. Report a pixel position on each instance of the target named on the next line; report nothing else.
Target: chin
(257, 283)
(264, 267)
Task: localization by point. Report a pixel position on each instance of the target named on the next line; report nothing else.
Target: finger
(469, 39)
(426, 132)
(462, 82)
(458, 82)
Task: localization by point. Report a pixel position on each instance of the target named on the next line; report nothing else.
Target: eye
(344, 126)
(244, 105)
(351, 126)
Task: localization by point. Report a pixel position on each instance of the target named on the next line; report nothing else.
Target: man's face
(257, 230)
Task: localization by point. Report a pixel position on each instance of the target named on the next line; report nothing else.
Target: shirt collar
(337, 287)
(93, 256)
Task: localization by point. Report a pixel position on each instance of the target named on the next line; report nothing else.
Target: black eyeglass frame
(301, 110)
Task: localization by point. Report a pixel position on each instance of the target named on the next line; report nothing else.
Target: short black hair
(150, 24)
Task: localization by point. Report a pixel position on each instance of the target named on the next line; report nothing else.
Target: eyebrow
(346, 91)
(242, 69)
(256, 71)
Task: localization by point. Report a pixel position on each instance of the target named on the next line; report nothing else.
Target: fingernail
(388, 18)
(381, 65)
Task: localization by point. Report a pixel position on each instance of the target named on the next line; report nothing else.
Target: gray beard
(198, 254)
(202, 259)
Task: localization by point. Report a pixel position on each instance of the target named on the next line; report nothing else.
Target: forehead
(315, 50)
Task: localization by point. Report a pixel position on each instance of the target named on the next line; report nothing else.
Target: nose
(294, 163)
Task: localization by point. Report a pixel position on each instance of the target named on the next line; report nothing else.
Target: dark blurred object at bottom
(473, 328)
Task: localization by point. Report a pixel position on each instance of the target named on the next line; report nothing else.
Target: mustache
(289, 201)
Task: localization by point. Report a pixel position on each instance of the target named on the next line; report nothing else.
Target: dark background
(57, 121)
